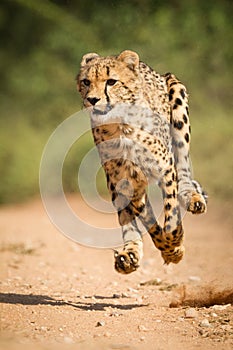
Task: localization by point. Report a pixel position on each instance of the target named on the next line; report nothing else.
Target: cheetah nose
(93, 100)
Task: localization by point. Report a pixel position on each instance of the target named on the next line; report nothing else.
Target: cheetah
(140, 125)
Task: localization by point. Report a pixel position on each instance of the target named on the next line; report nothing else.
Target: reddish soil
(56, 294)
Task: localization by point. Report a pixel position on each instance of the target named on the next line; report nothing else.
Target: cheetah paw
(197, 204)
(173, 257)
(126, 261)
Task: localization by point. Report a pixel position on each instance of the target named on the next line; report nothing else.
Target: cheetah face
(105, 81)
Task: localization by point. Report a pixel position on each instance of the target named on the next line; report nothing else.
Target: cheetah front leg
(128, 259)
(191, 195)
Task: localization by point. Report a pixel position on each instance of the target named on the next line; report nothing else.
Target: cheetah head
(105, 81)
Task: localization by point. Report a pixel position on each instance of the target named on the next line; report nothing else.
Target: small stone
(204, 333)
(132, 290)
(220, 307)
(205, 323)
(180, 319)
(191, 313)
(213, 314)
(142, 338)
(139, 300)
(100, 324)
(142, 328)
(124, 295)
(116, 296)
(226, 327)
(194, 278)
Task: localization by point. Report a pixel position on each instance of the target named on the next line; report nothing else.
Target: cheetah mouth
(101, 111)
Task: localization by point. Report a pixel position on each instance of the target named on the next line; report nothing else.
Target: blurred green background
(42, 43)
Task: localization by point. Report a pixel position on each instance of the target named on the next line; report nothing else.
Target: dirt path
(56, 294)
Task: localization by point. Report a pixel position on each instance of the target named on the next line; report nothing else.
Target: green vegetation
(42, 43)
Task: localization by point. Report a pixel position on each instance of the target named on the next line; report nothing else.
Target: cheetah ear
(87, 58)
(131, 58)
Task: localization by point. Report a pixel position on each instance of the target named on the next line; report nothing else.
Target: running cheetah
(140, 125)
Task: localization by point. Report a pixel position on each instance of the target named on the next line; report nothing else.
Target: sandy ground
(56, 294)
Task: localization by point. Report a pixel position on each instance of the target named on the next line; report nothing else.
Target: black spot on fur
(178, 101)
(169, 183)
(167, 228)
(168, 171)
(171, 92)
(168, 218)
(174, 232)
(182, 92)
(180, 144)
(178, 125)
(174, 211)
(168, 206)
(185, 119)
(186, 137)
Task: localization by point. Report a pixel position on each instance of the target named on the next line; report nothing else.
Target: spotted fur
(140, 125)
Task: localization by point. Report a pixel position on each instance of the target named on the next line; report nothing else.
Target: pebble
(181, 319)
(132, 290)
(139, 300)
(125, 295)
(142, 328)
(100, 324)
(191, 313)
(194, 278)
(220, 307)
(205, 323)
(203, 333)
(116, 296)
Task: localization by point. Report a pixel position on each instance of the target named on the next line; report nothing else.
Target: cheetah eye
(86, 82)
(111, 82)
